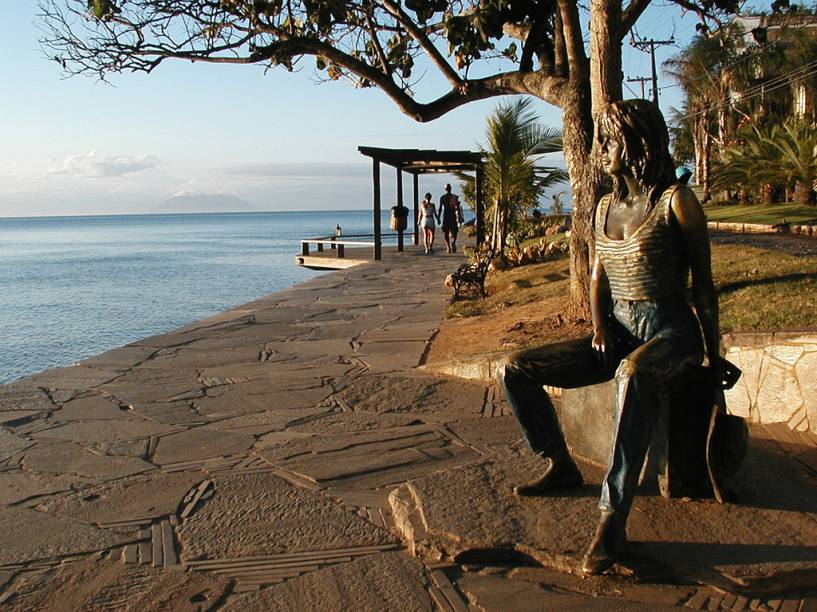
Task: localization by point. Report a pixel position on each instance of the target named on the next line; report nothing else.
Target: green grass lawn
(757, 289)
(761, 213)
(516, 287)
(760, 289)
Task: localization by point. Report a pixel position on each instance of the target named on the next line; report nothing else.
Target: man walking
(451, 213)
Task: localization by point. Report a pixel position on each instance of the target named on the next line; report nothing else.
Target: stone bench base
(677, 455)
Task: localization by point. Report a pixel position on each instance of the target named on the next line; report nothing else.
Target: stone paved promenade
(288, 455)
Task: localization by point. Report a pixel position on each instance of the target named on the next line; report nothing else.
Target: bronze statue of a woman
(650, 233)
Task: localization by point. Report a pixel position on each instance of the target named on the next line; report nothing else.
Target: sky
(280, 140)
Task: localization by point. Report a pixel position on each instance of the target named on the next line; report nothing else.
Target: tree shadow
(774, 280)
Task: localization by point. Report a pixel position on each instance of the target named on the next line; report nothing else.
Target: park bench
(472, 274)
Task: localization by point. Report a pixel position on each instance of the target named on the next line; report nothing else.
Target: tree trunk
(585, 181)
(593, 85)
(766, 193)
(702, 141)
(803, 194)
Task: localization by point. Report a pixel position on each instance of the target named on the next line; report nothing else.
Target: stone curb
(779, 382)
(762, 228)
(473, 367)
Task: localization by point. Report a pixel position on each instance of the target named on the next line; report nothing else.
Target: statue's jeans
(655, 344)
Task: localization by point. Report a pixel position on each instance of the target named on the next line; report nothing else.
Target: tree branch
(378, 47)
(574, 44)
(631, 15)
(424, 41)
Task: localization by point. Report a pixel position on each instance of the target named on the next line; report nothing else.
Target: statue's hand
(603, 344)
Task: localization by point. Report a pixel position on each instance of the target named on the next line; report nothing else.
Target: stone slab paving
(125, 499)
(29, 535)
(259, 514)
(389, 581)
(247, 460)
(107, 585)
(768, 538)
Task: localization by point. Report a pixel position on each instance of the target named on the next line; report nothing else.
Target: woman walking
(428, 221)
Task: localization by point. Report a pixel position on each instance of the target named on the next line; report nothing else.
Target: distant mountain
(203, 203)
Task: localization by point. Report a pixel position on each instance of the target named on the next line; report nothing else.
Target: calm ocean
(73, 287)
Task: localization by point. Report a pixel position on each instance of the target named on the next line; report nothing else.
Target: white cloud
(114, 166)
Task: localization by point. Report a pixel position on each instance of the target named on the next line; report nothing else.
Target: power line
(640, 80)
(784, 80)
(746, 55)
(652, 44)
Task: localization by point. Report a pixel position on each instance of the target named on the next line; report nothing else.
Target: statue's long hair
(639, 126)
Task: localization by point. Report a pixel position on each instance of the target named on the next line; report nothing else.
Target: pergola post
(378, 255)
(400, 204)
(480, 207)
(416, 209)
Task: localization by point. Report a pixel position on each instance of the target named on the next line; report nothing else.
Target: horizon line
(168, 214)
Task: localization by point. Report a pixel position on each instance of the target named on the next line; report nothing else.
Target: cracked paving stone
(12, 418)
(30, 535)
(24, 396)
(108, 585)
(131, 498)
(19, 486)
(11, 444)
(71, 458)
(259, 423)
(771, 532)
(231, 400)
(276, 438)
(487, 433)
(353, 422)
(104, 431)
(612, 591)
(197, 358)
(76, 377)
(144, 385)
(262, 514)
(200, 443)
(122, 358)
(170, 413)
(400, 332)
(424, 395)
(370, 459)
(387, 581)
(121, 448)
(495, 593)
(93, 407)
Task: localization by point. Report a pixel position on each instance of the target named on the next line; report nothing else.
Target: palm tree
(514, 179)
(796, 165)
(778, 156)
(747, 165)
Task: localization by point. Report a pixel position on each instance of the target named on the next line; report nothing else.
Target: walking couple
(450, 214)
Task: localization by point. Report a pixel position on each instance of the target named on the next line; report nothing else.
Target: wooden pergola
(417, 162)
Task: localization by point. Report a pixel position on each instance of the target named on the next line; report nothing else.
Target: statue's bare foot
(606, 545)
(558, 475)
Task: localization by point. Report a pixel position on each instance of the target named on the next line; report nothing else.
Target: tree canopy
(739, 83)
(480, 48)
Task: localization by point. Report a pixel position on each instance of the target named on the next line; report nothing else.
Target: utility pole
(642, 45)
(640, 80)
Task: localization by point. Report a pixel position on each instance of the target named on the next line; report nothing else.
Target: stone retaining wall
(779, 382)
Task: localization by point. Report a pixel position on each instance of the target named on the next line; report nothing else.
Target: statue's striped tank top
(651, 263)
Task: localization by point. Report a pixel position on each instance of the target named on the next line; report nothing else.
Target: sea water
(73, 287)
